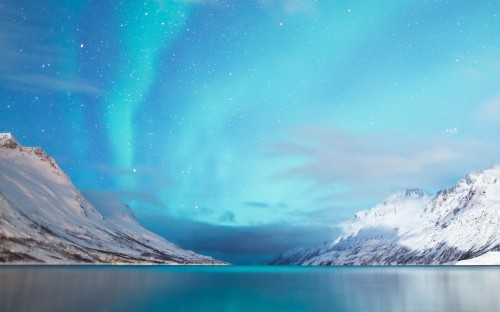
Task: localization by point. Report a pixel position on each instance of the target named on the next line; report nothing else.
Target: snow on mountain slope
(489, 258)
(45, 219)
(111, 208)
(398, 212)
(412, 227)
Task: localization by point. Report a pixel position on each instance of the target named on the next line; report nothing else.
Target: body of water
(248, 288)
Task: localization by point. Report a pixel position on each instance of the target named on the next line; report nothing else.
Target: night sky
(241, 129)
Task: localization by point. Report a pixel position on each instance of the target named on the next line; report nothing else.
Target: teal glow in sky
(251, 123)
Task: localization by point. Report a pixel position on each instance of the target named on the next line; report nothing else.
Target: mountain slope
(412, 227)
(45, 219)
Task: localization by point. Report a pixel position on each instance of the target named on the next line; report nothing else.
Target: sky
(241, 129)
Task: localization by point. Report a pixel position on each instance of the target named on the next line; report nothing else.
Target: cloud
(256, 204)
(245, 243)
(35, 82)
(290, 6)
(377, 163)
(144, 198)
(198, 212)
(490, 110)
(110, 206)
(205, 1)
(227, 217)
(30, 62)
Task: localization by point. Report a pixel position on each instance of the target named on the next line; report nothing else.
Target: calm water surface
(240, 288)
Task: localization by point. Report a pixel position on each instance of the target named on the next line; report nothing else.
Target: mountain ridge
(414, 228)
(44, 219)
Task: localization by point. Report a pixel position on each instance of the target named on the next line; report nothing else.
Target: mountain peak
(412, 193)
(406, 194)
(493, 172)
(7, 140)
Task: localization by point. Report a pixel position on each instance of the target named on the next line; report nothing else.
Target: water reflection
(419, 289)
(248, 289)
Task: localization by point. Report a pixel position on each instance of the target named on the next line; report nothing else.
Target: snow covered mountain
(458, 225)
(45, 219)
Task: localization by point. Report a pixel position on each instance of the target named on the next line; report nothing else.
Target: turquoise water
(252, 288)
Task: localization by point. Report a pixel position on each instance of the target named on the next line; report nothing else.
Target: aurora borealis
(243, 128)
